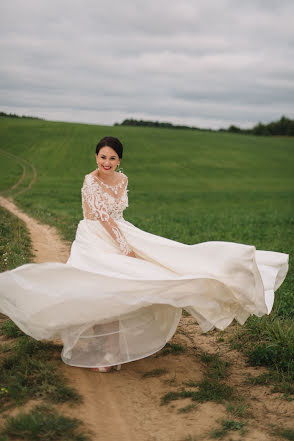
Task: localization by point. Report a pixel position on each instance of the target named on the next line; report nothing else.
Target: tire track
(25, 165)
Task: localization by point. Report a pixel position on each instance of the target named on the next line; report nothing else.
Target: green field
(190, 186)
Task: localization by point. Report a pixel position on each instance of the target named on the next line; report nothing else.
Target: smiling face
(107, 160)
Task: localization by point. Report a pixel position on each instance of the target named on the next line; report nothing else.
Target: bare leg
(111, 342)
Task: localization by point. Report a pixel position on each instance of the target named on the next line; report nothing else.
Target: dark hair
(110, 141)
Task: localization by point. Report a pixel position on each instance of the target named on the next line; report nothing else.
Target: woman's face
(107, 160)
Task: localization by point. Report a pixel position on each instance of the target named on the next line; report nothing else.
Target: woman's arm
(111, 226)
(95, 208)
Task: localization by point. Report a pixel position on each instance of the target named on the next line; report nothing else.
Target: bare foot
(102, 369)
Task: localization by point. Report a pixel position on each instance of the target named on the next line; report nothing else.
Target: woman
(120, 296)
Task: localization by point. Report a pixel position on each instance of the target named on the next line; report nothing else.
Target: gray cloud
(208, 64)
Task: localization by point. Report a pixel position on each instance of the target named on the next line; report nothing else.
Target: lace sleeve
(95, 208)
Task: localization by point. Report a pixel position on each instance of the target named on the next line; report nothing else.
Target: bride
(120, 295)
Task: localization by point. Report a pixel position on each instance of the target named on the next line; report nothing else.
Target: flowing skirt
(108, 308)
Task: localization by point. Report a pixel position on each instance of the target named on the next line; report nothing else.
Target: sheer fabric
(109, 308)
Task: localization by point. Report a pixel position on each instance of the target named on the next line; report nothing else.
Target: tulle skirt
(108, 308)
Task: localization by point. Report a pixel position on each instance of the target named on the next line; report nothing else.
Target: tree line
(283, 127)
(14, 115)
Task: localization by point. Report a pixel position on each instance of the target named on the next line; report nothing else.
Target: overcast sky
(195, 62)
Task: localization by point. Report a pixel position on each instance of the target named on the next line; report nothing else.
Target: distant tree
(283, 127)
(134, 122)
(234, 129)
(13, 115)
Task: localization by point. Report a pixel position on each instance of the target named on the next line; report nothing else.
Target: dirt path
(126, 406)
(47, 246)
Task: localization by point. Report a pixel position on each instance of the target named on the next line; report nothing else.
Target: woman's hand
(131, 254)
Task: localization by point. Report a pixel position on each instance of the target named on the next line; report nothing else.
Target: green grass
(190, 186)
(173, 177)
(208, 391)
(187, 409)
(43, 424)
(15, 243)
(287, 434)
(155, 373)
(28, 370)
(279, 382)
(239, 407)
(226, 427)
(9, 329)
(217, 367)
(171, 348)
(210, 388)
(13, 172)
(269, 341)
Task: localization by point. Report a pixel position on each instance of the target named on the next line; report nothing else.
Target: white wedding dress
(109, 308)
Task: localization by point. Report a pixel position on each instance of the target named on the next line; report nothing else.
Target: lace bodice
(106, 203)
(101, 201)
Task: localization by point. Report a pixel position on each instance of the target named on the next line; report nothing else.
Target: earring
(118, 167)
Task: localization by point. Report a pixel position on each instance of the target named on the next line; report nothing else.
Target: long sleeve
(96, 207)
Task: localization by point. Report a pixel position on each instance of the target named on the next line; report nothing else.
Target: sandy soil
(125, 406)
(47, 245)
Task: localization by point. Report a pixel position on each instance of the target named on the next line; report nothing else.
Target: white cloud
(206, 64)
